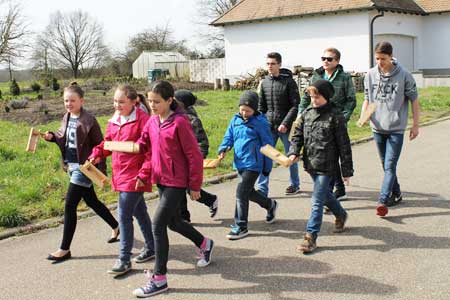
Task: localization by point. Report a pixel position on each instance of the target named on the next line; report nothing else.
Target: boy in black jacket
(322, 134)
(187, 101)
(278, 100)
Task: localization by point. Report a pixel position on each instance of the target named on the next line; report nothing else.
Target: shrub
(55, 84)
(1, 94)
(6, 154)
(10, 215)
(36, 87)
(14, 88)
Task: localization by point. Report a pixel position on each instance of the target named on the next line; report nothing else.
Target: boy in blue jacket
(247, 132)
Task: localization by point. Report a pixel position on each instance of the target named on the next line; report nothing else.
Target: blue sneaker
(144, 256)
(152, 288)
(120, 267)
(205, 255)
(237, 233)
(271, 213)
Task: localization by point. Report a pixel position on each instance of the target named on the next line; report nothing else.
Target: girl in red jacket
(126, 125)
(177, 165)
(78, 134)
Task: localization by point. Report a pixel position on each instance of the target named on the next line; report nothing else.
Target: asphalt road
(405, 255)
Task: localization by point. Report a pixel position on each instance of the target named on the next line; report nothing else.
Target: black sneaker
(292, 190)
(205, 255)
(144, 256)
(237, 233)
(340, 196)
(214, 208)
(397, 197)
(120, 267)
(394, 199)
(271, 213)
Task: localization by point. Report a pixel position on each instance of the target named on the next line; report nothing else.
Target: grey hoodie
(391, 94)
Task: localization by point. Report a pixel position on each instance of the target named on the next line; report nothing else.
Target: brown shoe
(308, 245)
(339, 223)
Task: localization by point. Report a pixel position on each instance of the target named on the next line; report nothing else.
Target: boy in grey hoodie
(391, 88)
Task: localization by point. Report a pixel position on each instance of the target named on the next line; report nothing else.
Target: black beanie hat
(325, 88)
(186, 97)
(249, 98)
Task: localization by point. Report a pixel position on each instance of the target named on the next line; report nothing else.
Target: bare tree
(13, 31)
(209, 10)
(40, 56)
(75, 40)
(212, 9)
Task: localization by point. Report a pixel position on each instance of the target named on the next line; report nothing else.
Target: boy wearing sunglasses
(344, 98)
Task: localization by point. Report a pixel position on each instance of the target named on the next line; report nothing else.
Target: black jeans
(245, 192)
(168, 215)
(74, 195)
(205, 198)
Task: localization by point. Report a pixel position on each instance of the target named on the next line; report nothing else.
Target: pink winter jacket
(126, 167)
(176, 157)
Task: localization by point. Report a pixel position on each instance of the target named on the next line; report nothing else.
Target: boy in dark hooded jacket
(187, 100)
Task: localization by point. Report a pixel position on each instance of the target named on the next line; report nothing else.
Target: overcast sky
(122, 19)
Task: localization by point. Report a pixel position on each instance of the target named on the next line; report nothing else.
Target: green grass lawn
(33, 186)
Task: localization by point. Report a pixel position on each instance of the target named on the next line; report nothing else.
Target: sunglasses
(329, 59)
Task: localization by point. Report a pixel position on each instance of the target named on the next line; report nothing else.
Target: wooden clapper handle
(211, 163)
(276, 155)
(33, 139)
(94, 174)
(127, 146)
(365, 116)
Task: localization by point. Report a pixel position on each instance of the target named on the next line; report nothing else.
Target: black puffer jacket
(279, 99)
(199, 131)
(322, 133)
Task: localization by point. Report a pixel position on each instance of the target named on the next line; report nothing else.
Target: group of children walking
(172, 145)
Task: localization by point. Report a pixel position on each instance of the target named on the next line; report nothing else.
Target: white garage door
(403, 48)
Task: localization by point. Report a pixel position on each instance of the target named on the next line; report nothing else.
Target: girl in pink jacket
(177, 164)
(127, 124)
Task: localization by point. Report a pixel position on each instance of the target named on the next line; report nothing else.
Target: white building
(300, 29)
(148, 60)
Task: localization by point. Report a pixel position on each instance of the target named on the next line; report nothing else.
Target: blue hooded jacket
(247, 137)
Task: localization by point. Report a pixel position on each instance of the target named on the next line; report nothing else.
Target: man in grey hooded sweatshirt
(391, 88)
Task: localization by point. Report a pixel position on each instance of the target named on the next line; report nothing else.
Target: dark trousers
(168, 215)
(74, 195)
(245, 192)
(205, 198)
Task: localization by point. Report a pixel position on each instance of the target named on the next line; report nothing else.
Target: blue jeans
(389, 148)
(133, 204)
(245, 192)
(294, 180)
(322, 196)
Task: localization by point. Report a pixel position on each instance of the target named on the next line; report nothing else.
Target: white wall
(300, 41)
(436, 42)
(207, 70)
